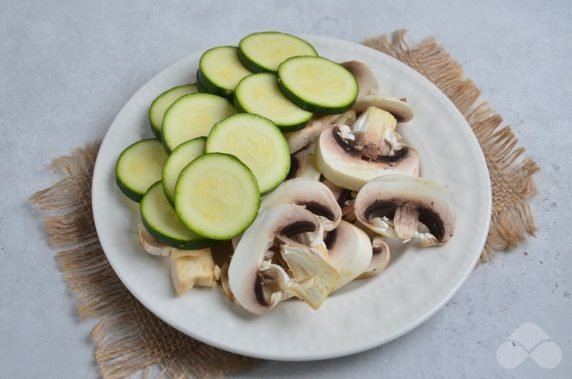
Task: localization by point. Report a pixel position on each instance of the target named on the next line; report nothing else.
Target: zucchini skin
(131, 194)
(250, 64)
(283, 128)
(210, 87)
(314, 108)
(156, 129)
(183, 245)
(136, 197)
(255, 67)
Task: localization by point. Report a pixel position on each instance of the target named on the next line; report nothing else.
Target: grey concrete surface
(67, 67)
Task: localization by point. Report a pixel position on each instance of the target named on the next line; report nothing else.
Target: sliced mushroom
(303, 164)
(350, 252)
(407, 208)
(224, 283)
(280, 255)
(302, 138)
(196, 268)
(310, 194)
(379, 258)
(374, 134)
(397, 107)
(366, 79)
(151, 245)
(345, 198)
(344, 165)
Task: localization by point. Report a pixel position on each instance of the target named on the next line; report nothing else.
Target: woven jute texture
(129, 339)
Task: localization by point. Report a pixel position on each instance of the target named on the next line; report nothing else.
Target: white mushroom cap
(379, 258)
(343, 165)
(303, 164)
(300, 139)
(366, 79)
(394, 205)
(397, 107)
(310, 194)
(350, 251)
(258, 284)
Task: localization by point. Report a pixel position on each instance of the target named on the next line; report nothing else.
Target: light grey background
(67, 67)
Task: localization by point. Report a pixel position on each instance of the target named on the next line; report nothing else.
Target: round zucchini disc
(139, 166)
(263, 52)
(220, 70)
(162, 222)
(259, 94)
(217, 196)
(317, 84)
(160, 105)
(193, 116)
(257, 142)
(184, 154)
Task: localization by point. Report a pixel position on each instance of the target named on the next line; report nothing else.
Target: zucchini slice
(162, 222)
(139, 166)
(263, 52)
(164, 101)
(220, 70)
(317, 84)
(257, 142)
(184, 154)
(259, 94)
(193, 116)
(217, 196)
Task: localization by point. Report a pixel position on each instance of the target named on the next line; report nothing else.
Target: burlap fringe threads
(129, 339)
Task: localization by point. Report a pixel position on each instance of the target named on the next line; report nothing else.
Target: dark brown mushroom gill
(427, 217)
(348, 148)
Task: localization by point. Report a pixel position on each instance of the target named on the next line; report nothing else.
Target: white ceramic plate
(361, 316)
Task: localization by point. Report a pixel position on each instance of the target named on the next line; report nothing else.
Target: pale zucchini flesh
(184, 154)
(257, 142)
(193, 116)
(217, 196)
(139, 166)
(317, 84)
(220, 70)
(162, 222)
(263, 52)
(259, 94)
(160, 105)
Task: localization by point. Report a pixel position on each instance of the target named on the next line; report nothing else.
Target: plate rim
(320, 356)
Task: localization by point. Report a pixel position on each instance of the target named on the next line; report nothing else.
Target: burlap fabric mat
(129, 339)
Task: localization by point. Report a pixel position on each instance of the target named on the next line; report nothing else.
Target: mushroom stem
(405, 222)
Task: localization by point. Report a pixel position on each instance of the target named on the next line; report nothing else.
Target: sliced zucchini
(162, 222)
(139, 166)
(164, 101)
(184, 154)
(317, 84)
(217, 196)
(193, 116)
(257, 142)
(259, 94)
(220, 70)
(263, 52)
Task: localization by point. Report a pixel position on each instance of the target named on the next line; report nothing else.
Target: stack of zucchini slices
(219, 143)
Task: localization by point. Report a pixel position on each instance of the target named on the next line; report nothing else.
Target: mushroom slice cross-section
(379, 258)
(300, 139)
(407, 208)
(302, 164)
(350, 252)
(310, 194)
(344, 164)
(281, 255)
(365, 77)
(397, 107)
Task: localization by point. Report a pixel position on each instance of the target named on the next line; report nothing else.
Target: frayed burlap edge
(128, 337)
(511, 174)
